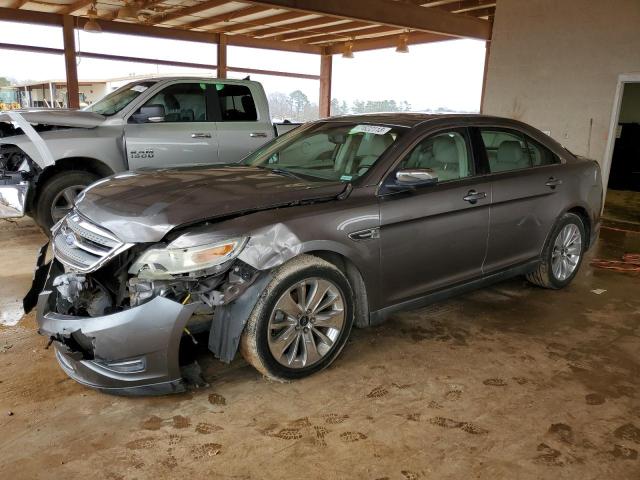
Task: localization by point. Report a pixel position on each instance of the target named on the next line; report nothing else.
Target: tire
(545, 275)
(268, 328)
(60, 189)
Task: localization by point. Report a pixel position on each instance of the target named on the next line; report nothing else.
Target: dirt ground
(508, 382)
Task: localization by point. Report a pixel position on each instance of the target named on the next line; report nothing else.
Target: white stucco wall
(555, 64)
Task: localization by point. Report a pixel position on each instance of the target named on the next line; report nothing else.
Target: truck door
(172, 128)
(242, 126)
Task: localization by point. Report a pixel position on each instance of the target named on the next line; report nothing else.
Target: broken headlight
(174, 261)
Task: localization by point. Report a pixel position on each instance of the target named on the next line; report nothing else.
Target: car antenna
(248, 77)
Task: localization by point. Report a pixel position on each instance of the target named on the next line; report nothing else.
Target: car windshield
(118, 99)
(332, 151)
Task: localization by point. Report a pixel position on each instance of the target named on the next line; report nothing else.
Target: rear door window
(541, 155)
(236, 103)
(507, 150)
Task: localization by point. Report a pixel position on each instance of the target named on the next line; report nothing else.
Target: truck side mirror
(149, 113)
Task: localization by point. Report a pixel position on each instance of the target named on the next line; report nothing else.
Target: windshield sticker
(346, 178)
(139, 88)
(375, 129)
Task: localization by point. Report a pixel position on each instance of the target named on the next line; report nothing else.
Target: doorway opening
(622, 202)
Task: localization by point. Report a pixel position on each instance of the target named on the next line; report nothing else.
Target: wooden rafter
(303, 25)
(395, 14)
(18, 3)
(225, 17)
(353, 34)
(75, 6)
(455, 6)
(387, 41)
(185, 11)
(484, 12)
(45, 18)
(259, 24)
(314, 32)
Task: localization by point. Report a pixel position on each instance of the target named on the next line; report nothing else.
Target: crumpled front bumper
(13, 199)
(132, 352)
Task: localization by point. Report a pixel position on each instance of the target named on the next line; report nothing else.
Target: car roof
(412, 119)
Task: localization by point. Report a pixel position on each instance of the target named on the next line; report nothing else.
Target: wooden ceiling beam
(294, 27)
(225, 17)
(75, 6)
(353, 34)
(18, 4)
(55, 19)
(185, 12)
(394, 14)
(342, 27)
(260, 24)
(485, 12)
(389, 41)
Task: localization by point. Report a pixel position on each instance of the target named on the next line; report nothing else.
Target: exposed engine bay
(113, 289)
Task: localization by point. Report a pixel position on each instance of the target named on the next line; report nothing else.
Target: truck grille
(83, 246)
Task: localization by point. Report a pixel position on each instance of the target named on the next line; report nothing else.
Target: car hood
(56, 117)
(144, 206)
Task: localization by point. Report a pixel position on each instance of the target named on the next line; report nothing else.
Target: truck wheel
(562, 255)
(58, 194)
(301, 321)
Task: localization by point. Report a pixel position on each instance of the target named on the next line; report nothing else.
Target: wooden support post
(222, 56)
(73, 91)
(484, 76)
(325, 85)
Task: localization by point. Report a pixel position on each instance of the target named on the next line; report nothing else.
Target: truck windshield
(118, 99)
(333, 151)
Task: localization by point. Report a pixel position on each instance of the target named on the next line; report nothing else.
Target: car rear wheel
(301, 321)
(563, 254)
(57, 196)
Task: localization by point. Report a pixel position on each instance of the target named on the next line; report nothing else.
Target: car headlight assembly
(167, 261)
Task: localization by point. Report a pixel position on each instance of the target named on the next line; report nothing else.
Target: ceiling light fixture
(347, 50)
(403, 46)
(91, 25)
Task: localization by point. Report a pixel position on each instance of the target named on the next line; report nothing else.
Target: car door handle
(553, 182)
(473, 196)
(200, 135)
(258, 135)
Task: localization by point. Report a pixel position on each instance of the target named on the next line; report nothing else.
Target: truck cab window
(236, 103)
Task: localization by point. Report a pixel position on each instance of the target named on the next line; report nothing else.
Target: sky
(442, 74)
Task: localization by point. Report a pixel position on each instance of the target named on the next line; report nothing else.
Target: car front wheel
(562, 255)
(301, 321)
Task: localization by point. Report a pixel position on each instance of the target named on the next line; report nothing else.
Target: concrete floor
(622, 206)
(507, 382)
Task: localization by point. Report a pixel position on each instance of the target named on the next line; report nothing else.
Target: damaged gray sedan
(336, 224)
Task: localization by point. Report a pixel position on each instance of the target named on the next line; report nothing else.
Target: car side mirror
(150, 113)
(416, 177)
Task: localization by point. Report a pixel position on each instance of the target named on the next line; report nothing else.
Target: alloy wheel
(306, 323)
(567, 249)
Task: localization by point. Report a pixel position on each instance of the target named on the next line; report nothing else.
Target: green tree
(339, 108)
(299, 102)
(4, 82)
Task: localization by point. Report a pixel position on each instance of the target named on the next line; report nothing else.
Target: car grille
(83, 246)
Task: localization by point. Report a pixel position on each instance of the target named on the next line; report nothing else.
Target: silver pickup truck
(48, 156)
